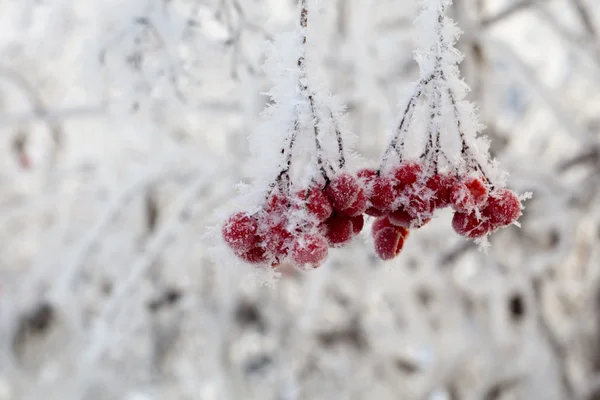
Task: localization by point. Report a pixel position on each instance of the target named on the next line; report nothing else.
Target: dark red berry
(338, 230)
(381, 223)
(389, 242)
(316, 203)
(358, 223)
(503, 207)
(375, 212)
(468, 194)
(256, 255)
(240, 232)
(342, 191)
(310, 249)
(469, 225)
(402, 218)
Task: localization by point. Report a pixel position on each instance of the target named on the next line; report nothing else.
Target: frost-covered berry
(342, 191)
(389, 242)
(468, 194)
(309, 248)
(240, 232)
(316, 203)
(402, 218)
(358, 206)
(277, 202)
(469, 225)
(277, 240)
(379, 189)
(379, 224)
(256, 255)
(358, 223)
(440, 185)
(338, 230)
(503, 207)
(418, 202)
(406, 174)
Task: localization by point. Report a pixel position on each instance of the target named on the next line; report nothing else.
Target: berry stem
(405, 120)
(307, 92)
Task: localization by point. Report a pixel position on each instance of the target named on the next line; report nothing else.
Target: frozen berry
(375, 212)
(469, 225)
(358, 223)
(240, 232)
(342, 191)
(309, 249)
(338, 230)
(316, 203)
(256, 255)
(407, 173)
(380, 190)
(503, 207)
(379, 224)
(389, 242)
(402, 218)
(440, 185)
(418, 202)
(468, 194)
(277, 240)
(358, 206)
(277, 202)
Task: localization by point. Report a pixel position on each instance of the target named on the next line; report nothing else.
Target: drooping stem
(321, 162)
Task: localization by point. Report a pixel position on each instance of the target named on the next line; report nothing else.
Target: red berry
(316, 203)
(338, 230)
(309, 249)
(468, 194)
(389, 242)
(468, 225)
(240, 232)
(375, 212)
(256, 255)
(380, 190)
(440, 185)
(418, 202)
(358, 206)
(407, 173)
(381, 223)
(503, 207)
(277, 240)
(358, 223)
(342, 191)
(402, 218)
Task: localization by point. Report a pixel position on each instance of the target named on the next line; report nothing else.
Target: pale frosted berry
(380, 189)
(277, 240)
(503, 207)
(418, 202)
(358, 223)
(277, 202)
(406, 174)
(469, 225)
(468, 194)
(389, 242)
(316, 203)
(310, 249)
(402, 218)
(342, 191)
(256, 255)
(440, 185)
(240, 232)
(338, 230)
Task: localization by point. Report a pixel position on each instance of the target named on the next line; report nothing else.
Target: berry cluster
(299, 227)
(407, 197)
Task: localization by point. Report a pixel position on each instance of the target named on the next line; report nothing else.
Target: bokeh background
(123, 135)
